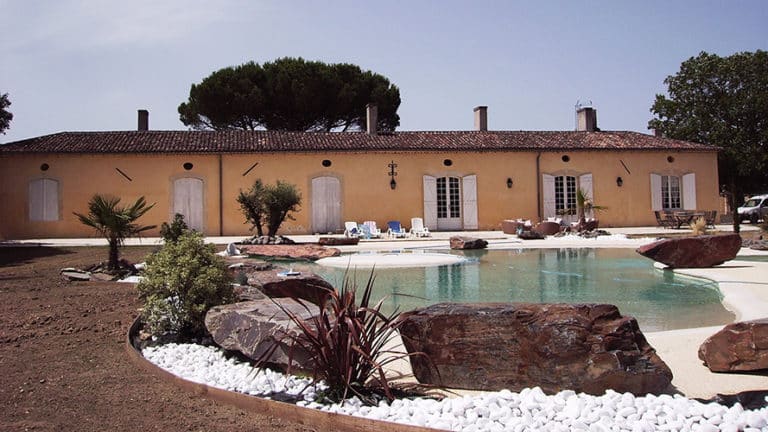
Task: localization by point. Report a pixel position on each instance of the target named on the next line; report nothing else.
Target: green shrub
(182, 281)
(172, 232)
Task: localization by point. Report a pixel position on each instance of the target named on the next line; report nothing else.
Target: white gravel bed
(529, 410)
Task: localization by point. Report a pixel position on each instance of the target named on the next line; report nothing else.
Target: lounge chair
(372, 229)
(396, 230)
(418, 229)
(351, 229)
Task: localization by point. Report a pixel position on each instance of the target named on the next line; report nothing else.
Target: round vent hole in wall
(447, 162)
(326, 163)
(670, 159)
(188, 166)
(44, 167)
(566, 158)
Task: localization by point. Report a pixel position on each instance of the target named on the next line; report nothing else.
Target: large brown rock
(741, 346)
(693, 252)
(547, 228)
(253, 327)
(586, 347)
(461, 242)
(308, 252)
(276, 284)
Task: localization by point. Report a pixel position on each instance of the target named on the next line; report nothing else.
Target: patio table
(686, 217)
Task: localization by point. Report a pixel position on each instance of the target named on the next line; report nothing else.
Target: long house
(454, 180)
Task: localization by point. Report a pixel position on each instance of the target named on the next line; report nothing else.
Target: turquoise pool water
(659, 300)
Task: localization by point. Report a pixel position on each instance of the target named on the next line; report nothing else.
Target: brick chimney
(143, 120)
(372, 118)
(586, 119)
(481, 118)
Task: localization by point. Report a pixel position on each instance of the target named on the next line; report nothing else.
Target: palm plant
(115, 223)
(346, 343)
(583, 204)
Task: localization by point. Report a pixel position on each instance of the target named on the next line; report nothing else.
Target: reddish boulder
(583, 347)
(338, 241)
(693, 252)
(253, 327)
(741, 346)
(278, 283)
(547, 228)
(461, 242)
(308, 252)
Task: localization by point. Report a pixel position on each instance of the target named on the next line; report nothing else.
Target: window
(44, 200)
(448, 202)
(565, 195)
(673, 192)
(670, 192)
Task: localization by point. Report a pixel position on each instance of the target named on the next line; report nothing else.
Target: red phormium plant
(346, 342)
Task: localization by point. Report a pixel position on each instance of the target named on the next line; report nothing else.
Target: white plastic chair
(375, 232)
(351, 229)
(418, 229)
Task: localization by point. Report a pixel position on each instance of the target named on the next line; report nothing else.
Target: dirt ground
(63, 364)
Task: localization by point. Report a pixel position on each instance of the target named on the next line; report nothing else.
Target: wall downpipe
(538, 185)
(221, 198)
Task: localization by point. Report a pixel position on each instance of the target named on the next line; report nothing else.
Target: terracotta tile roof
(271, 141)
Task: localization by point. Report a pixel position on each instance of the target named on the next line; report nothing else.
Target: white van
(755, 208)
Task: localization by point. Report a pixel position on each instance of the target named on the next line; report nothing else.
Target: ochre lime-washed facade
(468, 180)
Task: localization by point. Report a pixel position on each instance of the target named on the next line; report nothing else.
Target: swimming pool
(659, 300)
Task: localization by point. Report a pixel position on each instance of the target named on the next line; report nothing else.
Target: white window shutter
(36, 200)
(469, 186)
(50, 200)
(689, 191)
(43, 200)
(656, 192)
(430, 202)
(548, 190)
(585, 183)
(188, 201)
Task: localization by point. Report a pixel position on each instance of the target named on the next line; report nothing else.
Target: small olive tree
(272, 204)
(182, 281)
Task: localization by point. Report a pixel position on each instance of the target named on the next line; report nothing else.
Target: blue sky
(80, 65)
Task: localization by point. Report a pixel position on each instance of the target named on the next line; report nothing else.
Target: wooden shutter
(43, 200)
(585, 183)
(188, 201)
(469, 201)
(656, 192)
(548, 192)
(689, 191)
(430, 202)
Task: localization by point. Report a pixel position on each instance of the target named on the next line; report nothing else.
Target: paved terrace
(744, 285)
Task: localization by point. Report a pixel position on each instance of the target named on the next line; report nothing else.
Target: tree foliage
(270, 204)
(114, 222)
(5, 115)
(173, 231)
(291, 94)
(722, 101)
(182, 282)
